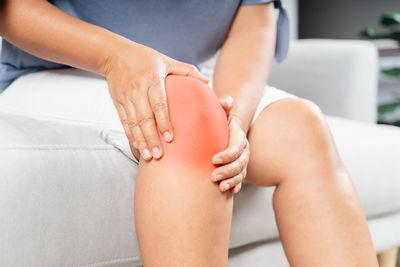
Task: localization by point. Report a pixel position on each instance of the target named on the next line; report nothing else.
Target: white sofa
(57, 210)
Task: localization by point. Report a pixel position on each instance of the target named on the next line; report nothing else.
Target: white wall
(341, 19)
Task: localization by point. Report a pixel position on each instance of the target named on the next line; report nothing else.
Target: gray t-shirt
(187, 30)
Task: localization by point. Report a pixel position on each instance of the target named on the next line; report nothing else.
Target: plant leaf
(389, 107)
(394, 72)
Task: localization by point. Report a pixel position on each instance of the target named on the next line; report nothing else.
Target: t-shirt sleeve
(282, 35)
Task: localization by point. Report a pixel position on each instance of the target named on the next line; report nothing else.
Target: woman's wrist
(114, 45)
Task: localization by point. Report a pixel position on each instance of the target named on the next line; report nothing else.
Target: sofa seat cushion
(371, 154)
(75, 193)
(66, 195)
(68, 177)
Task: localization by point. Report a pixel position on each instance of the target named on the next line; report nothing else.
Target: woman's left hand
(234, 159)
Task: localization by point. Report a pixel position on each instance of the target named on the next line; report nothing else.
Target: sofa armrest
(339, 75)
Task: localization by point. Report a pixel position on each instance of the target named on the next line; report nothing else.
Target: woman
(142, 47)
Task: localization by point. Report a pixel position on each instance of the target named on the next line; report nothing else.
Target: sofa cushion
(66, 195)
(69, 162)
(371, 154)
(79, 201)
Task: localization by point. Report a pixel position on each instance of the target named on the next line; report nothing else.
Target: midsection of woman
(200, 26)
(175, 201)
(177, 206)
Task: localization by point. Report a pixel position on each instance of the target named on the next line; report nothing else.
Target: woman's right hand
(135, 76)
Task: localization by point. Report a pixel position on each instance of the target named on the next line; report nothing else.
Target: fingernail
(135, 144)
(146, 154)
(167, 136)
(229, 100)
(237, 188)
(156, 152)
(227, 185)
(217, 177)
(217, 160)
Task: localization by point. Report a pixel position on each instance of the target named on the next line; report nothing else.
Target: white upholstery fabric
(384, 230)
(78, 209)
(372, 156)
(65, 195)
(58, 139)
(339, 75)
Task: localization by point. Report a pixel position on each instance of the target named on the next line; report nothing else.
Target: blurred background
(341, 19)
(374, 20)
(377, 21)
(344, 55)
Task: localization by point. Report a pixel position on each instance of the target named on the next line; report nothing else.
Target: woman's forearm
(41, 29)
(243, 65)
(135, 73)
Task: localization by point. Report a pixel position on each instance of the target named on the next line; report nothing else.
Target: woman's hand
(235, 158)
(136, 78)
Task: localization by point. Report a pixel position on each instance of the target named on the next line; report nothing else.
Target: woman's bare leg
(318, 212)
(181, 217)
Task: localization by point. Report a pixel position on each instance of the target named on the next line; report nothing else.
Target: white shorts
(270, 95)
(82, 97)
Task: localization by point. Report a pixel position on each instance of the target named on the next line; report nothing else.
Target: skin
(318, 212)
(177, 205)
(135, 73)
(188, 116)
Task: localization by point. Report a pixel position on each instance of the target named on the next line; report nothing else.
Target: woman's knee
(291, 138)
(308, 113)
(199, 122)
(301, 119)
(310, 144)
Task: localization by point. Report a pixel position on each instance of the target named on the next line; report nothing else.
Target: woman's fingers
(185, 69)
(233, 168)
(124, 122)
(146, 120)
(136, 80)
(227, 103)
(237, 188)
(159, 105)
(237, 142)
(133, 126)
(232, 182)
(132, 143)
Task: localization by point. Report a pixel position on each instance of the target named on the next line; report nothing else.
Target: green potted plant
(391, 23)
